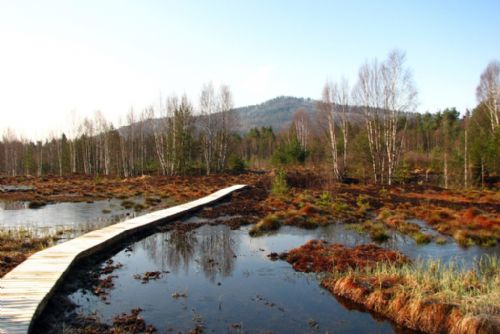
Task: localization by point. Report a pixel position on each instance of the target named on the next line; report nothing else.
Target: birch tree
(399, 96)
(341, 100)
(302, 126)
(225, 124)
(386, 93)
(103, 138)
(326, 112)
(208, 105)
(488, 92)
(158, 134)
(130, 141)
(368, 95)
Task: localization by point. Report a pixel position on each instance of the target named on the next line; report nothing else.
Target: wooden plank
(25, 291)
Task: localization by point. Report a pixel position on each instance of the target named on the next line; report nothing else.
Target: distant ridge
(278, 113)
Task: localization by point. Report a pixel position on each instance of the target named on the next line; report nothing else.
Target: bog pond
(214, 279)
(69, 219)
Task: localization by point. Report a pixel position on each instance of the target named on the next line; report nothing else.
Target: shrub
(280, 186)
(236, 164)
(290, 153)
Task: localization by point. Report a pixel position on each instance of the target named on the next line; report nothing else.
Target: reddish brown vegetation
(246, 207)
(468, 226)
(319, 256)
(131, 323)
(147, 276)
(246, 204)
(101, 286)
(79, 188)
(15, 249)
(384, 296)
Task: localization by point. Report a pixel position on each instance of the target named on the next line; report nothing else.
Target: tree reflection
(180, 250)
(216, 252)
(211, 247)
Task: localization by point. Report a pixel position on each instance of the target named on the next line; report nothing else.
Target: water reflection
(216, 252)
(227, 279)
(213, 249)
(67, 218)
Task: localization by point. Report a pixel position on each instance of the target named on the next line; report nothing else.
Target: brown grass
(423, 296)
(17, 246)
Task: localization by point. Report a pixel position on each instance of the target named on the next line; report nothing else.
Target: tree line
(390, 143)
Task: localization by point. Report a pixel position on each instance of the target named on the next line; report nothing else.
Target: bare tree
(386, 93)
(40, 158)
(123, 154)
(226, 122)
(341, 100)
(399, 95)
(103, 133)
(488, 92)
(302, 126)
(131, 138)
(11, 154)
(142, 140)
(87, 134)
(466, 150)
(326, 112)
(208, 106)
(368, 94)
(73, 135)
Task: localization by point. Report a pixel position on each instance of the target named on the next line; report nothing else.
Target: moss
(324, 200)
(440, 240)
(363, 204)
(139, 207)
(487, 242)
(339, 207)
(376, 230)
(421, 238)
(379, 236)
(269, 223)
(127, 204)
(152, 200)
(463, 238)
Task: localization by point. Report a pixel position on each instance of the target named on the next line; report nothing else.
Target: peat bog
(311, 257)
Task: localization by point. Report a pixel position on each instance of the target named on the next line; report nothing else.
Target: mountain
(278, 113)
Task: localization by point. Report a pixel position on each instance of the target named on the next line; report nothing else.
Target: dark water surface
(222, 279)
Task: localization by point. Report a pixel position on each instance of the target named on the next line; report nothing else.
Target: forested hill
(278, 113)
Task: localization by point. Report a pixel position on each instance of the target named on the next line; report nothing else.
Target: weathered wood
(25, 291)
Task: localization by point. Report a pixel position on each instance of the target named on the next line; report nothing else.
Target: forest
(390, 143)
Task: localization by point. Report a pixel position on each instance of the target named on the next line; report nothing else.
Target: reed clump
(427, 295)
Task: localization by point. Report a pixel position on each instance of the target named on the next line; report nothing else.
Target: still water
(222, 279)
(69, 218)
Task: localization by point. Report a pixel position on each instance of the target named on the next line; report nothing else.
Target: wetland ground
(228, 267)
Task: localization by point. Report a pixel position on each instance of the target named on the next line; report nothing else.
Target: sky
(61, 61)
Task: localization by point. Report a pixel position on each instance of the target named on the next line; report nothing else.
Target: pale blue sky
(81, 56)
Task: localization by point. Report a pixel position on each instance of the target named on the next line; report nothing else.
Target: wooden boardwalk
(25, 291)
